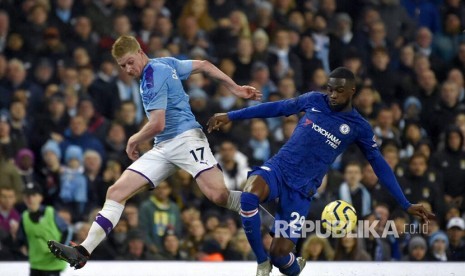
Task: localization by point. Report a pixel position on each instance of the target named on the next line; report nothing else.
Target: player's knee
(219, 198)
(114, 193)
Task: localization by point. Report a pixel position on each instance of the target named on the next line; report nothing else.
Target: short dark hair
(342, 73)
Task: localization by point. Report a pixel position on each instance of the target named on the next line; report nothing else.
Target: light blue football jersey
(161, 88)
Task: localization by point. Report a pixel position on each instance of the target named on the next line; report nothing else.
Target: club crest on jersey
(344, 129)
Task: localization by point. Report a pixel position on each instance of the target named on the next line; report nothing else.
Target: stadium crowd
(66, 112)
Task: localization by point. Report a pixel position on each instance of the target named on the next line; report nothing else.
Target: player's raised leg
(127, 185)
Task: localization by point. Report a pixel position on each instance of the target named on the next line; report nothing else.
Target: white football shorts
(189, 151)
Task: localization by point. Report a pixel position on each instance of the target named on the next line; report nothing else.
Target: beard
(338, 107)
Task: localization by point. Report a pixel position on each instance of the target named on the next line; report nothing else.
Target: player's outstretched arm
(388, 179)
(244, 91)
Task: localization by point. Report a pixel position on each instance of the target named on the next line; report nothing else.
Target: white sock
(104, 222)
(234, 201)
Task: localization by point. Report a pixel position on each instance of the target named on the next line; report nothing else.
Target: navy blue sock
(251, 221)
(287, 264)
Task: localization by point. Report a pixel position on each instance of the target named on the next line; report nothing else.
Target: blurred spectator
(310, 62)
(445, 110)
(261, 80)
(192, 36)
(192, 243)
(455, 75)
(16, 48)
(128, 90)
(115, 144)
(412, 135)
(52, 123)
(241, 245)
(10, 143)
(449, 162)
(417, 249)
(428, 92)
(53, 46)
(438, 244)
(92, 164)
(63, 15)
(171, 250)
(164, 29)
(383, 78)
(342, 39)
(260, 146)
(367, 102)
(77, 134)
(317, 249)
(380, 248)
(448, 41)
(234, 165)
(282, 61)
(186, 191)
(243, 60)
(384, 128)
(24, 161)
(131, 212)
(198, 10)
(425, 46)
(223, 236)
(100, 12)
(318, 80)
(391, 154)
(33, 29)
(158, 214)
(17, 79)
(456, 233)
(49, 172)
(418, 186)
(111, 173)
(260, 40)
(402, 28)
(348, 249)
(148, 19)
(202, 107)
(459, 59)
(73, 183)
(137, 249)
(412, 112)
(96, 123)
(126, 115)
(9, 216)
(84, 36)
(353, 192)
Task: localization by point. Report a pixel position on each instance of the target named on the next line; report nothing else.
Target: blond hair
(123, 45)
(327, 251)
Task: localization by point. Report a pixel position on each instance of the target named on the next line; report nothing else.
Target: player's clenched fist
(218, 120)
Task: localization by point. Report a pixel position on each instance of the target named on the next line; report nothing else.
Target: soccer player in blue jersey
(179, 141)
(329, 125)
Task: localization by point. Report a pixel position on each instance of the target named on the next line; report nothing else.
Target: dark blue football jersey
(320, 136)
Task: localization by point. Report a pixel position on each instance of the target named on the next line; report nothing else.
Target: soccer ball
(339, 217)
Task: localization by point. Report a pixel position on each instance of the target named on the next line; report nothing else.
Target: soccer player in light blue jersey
(329, 125)
(179, 141)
